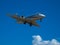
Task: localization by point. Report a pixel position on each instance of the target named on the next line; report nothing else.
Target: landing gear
(40, 20)
(30, 24)
(25, 22)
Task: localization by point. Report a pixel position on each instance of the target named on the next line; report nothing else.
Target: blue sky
(12, 33)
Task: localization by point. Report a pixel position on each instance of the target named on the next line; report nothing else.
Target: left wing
(13, 16)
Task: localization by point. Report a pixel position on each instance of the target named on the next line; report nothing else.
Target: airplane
(31, 20)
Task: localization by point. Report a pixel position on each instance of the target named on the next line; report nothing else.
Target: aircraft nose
(42, 15)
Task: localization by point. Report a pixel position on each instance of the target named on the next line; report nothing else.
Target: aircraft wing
(13, 16)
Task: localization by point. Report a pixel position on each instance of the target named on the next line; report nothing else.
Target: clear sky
(12, 33)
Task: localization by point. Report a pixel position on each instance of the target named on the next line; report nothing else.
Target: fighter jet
(31, 20)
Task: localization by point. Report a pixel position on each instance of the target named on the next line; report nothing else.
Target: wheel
(25, 22)
(30, 24)
(40, 20)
